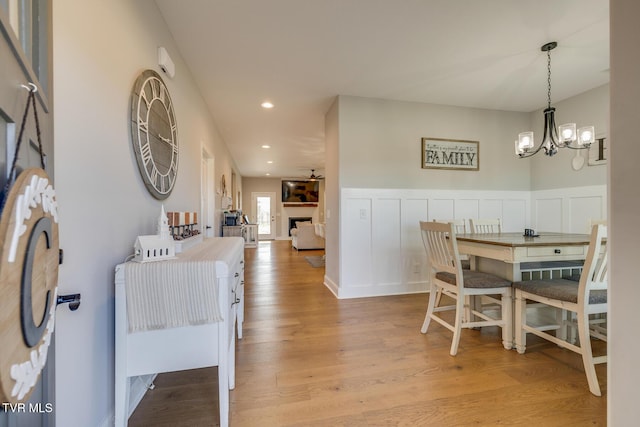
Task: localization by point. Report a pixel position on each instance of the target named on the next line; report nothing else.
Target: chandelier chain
(549, 78)
(570, 137)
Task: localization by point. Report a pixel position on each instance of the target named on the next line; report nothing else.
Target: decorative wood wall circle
(29, 259)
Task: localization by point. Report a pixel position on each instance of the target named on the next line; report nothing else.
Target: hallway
(310, 359)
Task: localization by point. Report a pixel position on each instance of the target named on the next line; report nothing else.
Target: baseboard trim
(331, 285)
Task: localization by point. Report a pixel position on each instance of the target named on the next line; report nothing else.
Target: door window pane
(264, 215)
(29, 20)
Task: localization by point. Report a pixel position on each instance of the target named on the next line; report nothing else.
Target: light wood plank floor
(309, 359)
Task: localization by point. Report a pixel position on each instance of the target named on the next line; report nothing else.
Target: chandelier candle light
(565, 137)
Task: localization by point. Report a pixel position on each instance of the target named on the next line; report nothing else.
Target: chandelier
(565, 136)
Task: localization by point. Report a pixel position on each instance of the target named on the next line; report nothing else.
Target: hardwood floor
(309, 359)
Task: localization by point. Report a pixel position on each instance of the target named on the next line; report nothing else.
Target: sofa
(304, 236)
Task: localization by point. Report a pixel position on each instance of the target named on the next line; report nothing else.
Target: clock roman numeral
(143, 125)
(155, 88)
(162, 95)
(145, 151)
(162, 185)
(154, 175)
(143, 96)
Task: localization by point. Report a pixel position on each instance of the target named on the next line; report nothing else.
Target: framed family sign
(454, 154)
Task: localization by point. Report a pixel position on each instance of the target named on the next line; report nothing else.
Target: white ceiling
(301, 54)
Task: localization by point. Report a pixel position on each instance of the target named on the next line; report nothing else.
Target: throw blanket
(179, 292)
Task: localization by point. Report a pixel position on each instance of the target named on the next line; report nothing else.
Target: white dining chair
(595, 221)
(461, 228)
(447, 276)
(484, 226)
(583, 299)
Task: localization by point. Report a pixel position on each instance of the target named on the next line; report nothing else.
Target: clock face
(154, 134)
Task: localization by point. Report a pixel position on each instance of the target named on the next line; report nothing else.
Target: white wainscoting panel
(582, 210)
(356, 240)
(548, 213)
(381, 250)
(514, 215)
(413, 267)
(568, 210)
(387, 241)
(442, 208)
(491, 208)
(467, 208)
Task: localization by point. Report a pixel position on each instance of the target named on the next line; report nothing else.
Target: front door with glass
(263, 212)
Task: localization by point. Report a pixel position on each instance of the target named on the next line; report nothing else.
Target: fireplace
(294, 219)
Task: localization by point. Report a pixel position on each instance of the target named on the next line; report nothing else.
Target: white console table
(249, 232)
(171, 331)
(251, 236)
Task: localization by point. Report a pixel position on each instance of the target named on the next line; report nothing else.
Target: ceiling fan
(313, 176)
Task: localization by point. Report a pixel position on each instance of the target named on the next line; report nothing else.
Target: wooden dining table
(504, 254)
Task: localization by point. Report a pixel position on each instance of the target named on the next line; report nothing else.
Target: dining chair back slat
(485, 226)
(459, 224)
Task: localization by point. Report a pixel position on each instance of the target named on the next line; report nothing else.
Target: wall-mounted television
(298, 191)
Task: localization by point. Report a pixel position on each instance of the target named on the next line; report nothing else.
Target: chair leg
(587, 355)
(438, 297)
(507, 318)
(470, 302)
(520, 320)
(434, 294)
(563, 317)
(457, 327)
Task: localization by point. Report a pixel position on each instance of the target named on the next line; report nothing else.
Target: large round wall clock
(154, 134)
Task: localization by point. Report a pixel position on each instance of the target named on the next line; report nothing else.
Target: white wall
(99, 50)
(375, 144)
(624, 210)
(380, 145)
(332, 194)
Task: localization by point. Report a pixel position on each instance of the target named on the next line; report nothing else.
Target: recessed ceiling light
(267, 104)
(267, 174)
(266, 146)
(269, 161)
